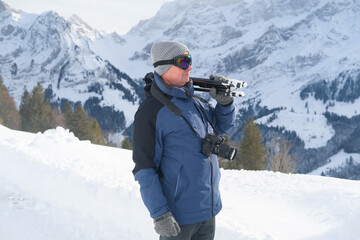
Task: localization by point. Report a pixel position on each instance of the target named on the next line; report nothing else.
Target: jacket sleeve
(146, 155)
(223, 117)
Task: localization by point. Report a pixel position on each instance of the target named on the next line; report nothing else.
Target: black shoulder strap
(156, 93)
(149, 79)
(161, 97)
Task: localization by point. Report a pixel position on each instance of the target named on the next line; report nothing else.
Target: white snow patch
(335, 161)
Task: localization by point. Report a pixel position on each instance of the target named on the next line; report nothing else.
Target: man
(178, 183)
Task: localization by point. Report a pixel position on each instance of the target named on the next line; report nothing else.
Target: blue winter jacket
(172, 172)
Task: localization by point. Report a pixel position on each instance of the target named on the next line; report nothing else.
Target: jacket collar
(171, 90)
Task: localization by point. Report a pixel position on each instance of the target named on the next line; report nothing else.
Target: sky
(106, 15)
(53, 186)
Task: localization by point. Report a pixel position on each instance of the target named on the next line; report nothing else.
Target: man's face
(176, 76)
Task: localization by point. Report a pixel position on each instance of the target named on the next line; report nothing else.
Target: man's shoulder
(149, 107)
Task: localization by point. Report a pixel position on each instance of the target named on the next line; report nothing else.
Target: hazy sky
(107, 15)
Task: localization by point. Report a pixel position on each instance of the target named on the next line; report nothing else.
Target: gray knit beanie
(166, 50)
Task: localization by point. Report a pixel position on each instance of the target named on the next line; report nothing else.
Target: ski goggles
(181, 61)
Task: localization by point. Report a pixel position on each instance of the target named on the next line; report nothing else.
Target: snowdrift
(53, 186)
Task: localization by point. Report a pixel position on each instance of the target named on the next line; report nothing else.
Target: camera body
(215, 144)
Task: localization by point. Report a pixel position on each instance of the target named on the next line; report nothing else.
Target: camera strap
(160, 96)
(198, 105)
(165, 100)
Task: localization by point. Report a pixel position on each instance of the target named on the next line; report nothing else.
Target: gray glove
(220, 97)
(166, 225)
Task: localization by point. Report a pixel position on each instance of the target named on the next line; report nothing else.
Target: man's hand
(166, 225)
(220, 96)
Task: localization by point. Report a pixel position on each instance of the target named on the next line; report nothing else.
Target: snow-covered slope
(337, 161)
(53, 186)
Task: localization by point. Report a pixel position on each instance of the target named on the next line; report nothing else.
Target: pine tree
(80, 123)
(9, 116)
(25, 109)
(35, 111)
(96, 135)
(83, 126)
(67, 113)
(58, 118)
(252, 153)
(126, 143)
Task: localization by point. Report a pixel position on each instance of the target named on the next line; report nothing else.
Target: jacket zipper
(211, 164)
(212, 190)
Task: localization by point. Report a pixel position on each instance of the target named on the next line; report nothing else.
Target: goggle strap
(164, 62)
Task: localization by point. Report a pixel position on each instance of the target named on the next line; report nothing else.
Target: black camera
(214, 144)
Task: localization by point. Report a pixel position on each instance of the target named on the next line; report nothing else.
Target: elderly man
(179, 184)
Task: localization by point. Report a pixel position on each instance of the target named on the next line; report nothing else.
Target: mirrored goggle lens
(184, 62)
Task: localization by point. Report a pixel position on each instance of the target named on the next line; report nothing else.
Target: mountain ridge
(55, 52)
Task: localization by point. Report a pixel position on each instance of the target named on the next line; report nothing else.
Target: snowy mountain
(48, 49)
(300, 59)
(53, 186)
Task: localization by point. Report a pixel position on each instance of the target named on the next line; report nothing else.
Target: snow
(54, 186)
(306, 117)
(346, 109)
(337, 160)
(114, 96)
(312, 128)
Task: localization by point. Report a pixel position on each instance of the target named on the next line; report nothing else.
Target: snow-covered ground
(53, 186)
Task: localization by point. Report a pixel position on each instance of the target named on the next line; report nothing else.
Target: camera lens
(232, 154)
(226, 151)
